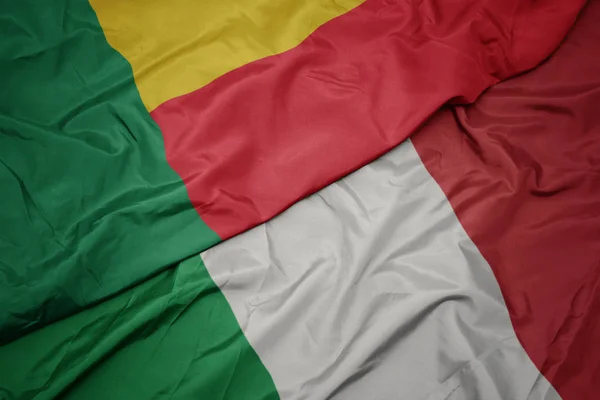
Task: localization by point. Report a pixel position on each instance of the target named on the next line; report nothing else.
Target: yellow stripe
(178, 46)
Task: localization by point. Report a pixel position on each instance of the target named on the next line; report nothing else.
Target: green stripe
(172, 337)
(89, 204)
(89, 208)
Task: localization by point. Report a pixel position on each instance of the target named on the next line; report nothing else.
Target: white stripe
(370, 290)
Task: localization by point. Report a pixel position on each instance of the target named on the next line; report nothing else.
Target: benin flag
(136, 135)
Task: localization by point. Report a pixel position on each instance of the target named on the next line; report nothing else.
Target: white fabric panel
(372, 290)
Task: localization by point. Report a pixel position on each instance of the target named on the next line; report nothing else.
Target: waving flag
(136, 135)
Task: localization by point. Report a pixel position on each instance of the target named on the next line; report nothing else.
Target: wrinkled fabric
(88, 204)
(92, 206)
(173, 336)
(163, 337)
(371, 289)
(258, 139)
(521, 168)
(175, 47)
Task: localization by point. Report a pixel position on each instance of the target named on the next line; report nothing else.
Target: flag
(395, 282)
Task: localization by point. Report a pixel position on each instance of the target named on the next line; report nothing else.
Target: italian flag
(300, 199)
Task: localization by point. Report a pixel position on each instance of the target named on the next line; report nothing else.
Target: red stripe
(521, 168)
(262, 137)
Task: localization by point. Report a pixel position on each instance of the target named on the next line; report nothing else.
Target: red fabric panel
(521, 168)
(260, 138)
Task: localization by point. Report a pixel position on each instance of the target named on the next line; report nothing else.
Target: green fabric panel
(89, 205)
(172, 337)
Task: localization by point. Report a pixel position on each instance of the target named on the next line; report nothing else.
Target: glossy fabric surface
(172, 336)
(521, 168)
(371, 289)
(178, 46)
(262, 137)
(92, 207)
(95, 223)
(88, 204)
